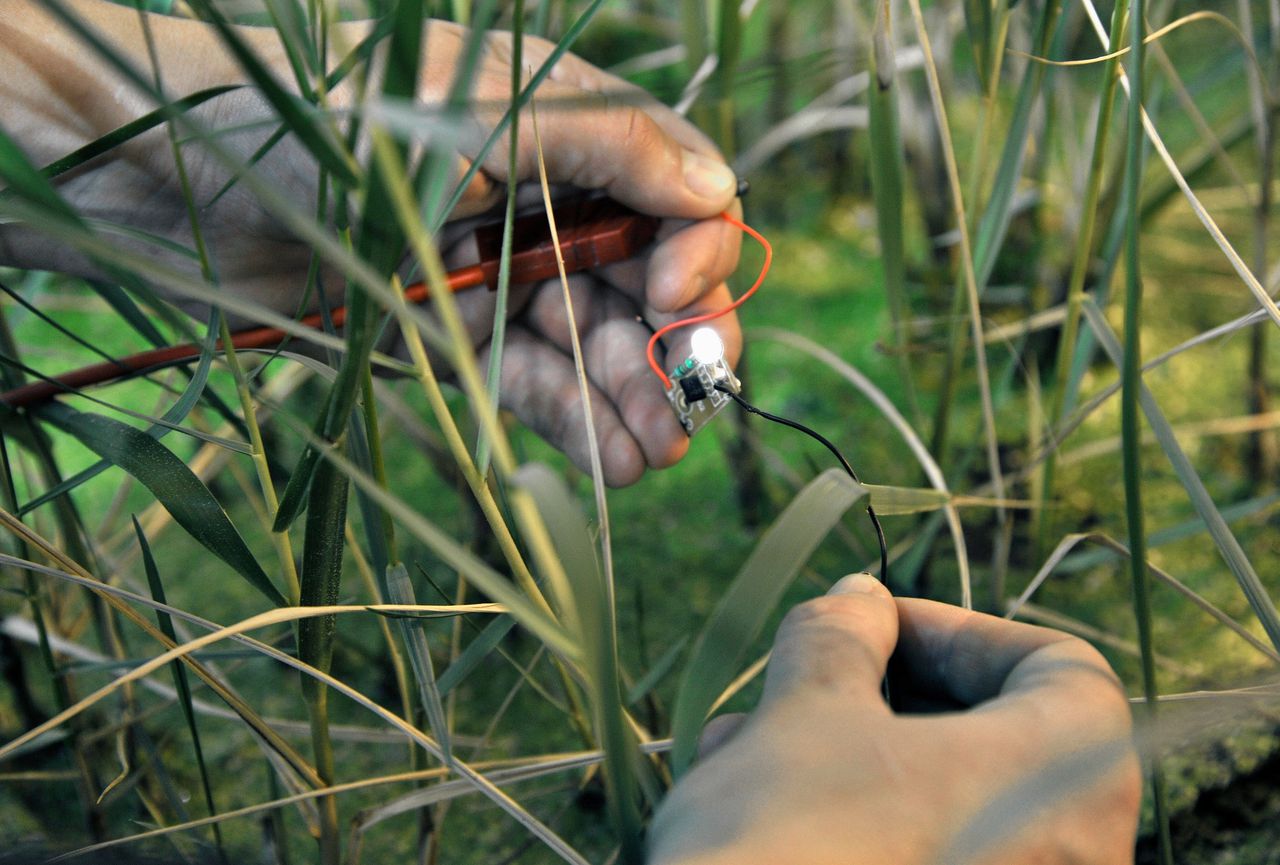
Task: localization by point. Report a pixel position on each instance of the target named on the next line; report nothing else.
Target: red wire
(699, 319)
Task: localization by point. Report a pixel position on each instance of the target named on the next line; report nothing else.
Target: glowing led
(708, 347)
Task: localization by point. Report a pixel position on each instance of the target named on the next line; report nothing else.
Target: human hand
(1031, 762)
(598, 133)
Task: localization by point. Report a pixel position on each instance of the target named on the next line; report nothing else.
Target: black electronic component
(694, 389)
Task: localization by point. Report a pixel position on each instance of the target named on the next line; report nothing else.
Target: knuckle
(641, 133)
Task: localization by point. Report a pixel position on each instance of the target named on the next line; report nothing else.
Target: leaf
(174, 416)
(740, 616)
(894, 501)
(597, 633)
(475, 652)
(132, 130)
(322, 566)
(400, 591)
(658, 671)
(1228, 547)
(180, 492)
(180, 682)
(297, 114)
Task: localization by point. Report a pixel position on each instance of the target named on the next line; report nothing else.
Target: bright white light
(708, 347)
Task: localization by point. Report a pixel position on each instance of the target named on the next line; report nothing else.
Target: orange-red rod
(593, 232)
(159, 358)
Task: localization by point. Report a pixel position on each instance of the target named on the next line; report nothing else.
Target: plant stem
(1130, 429)
(1079, 270)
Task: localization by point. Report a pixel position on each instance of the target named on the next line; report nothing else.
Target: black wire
(875, 521)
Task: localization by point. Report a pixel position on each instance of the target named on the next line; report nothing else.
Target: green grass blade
(290, 23)
(996, 216)
(181, 493)
(571, 35)
(597, 633)
(309, 127)
(322, 565)
(475, 652)
(174, 416)
(400, 591)
(1228, 547)
(453, 554)
(116, 137)
(739, 617)
(665, 664)
(381, 244)
(180, 682)
(887, 169)
(498, 341)
(21, 179)
(321, 581)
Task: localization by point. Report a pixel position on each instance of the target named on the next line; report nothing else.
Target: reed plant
(332, 600)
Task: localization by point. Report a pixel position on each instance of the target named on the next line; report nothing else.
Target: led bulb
(708, 347)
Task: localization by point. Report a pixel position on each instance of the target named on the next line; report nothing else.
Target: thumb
(717, 732)
(837, 645)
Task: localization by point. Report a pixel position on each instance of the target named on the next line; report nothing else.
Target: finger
(615, 355)
(540, 385)
(718, 731)
(678, 341)
(836, 645)
(613, 347)
(684, 267)
(596, 141)
(976, 659)
(688, 260)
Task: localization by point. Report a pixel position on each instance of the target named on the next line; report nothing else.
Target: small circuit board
(694, 395)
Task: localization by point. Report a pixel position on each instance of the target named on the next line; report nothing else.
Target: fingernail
(856, 584)
(707, 177)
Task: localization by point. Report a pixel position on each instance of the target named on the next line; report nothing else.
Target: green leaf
(400, 591)
(597, 632)
(1228, 547)
(22, 180)
(740, 616)
(311, 130)
(475, 652)
(381, 243)
(132, 129)
(180, 492)
(664, 665)
(499, 130)
(174, 416)
(322, 566)
(895, 501)
(180, 682)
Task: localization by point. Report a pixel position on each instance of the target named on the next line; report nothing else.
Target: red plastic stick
(593, 232)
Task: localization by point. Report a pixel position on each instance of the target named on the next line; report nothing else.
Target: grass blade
(887, 169)
(311, 131)
(400, 591)
(116, 137)
(597, 633)
(174, 416)
(179, 680)
(181, 493)
(1228, 547)
(738, 618)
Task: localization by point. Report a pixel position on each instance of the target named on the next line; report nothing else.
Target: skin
(1024, 755)
(1030, 761)
(598, 133)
